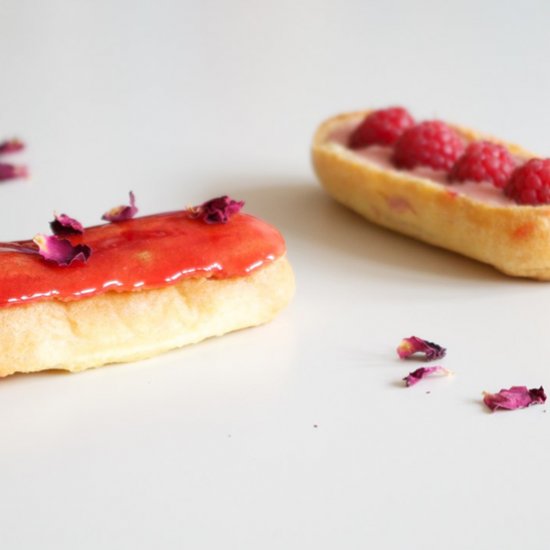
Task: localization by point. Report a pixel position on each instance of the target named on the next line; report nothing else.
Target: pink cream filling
(380, 156)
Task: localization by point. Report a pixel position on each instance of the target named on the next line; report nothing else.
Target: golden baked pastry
(151, 284)
(473, 220)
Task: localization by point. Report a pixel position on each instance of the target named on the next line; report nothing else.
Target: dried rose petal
(12, 171)
(61, 251)
(65, 225)
(412, 345)
(413, 377)
(517, 397)
(121, 213)
(218, 210)
(11, 146)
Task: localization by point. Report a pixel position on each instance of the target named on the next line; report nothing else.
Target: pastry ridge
(515, 239)
(124, 326)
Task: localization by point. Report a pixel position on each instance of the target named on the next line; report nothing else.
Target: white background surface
(214, 446)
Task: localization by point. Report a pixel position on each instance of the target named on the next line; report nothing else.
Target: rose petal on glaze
(414, 377)
(218, 210)
(412, 345)
(121, 213)
(61, 251)
(516, 397)
(65, 225)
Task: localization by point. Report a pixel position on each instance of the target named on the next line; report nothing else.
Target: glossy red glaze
(143, 253)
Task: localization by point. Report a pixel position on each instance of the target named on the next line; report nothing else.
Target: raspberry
(431, 143)
(382, 127)
(484, 161)
(530, 183)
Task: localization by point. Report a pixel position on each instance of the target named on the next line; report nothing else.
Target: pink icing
(381, 156)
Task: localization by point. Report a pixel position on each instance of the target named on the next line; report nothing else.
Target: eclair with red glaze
(145, 286)
(451, 204)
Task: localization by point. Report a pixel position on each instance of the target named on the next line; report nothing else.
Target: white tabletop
(298, 434)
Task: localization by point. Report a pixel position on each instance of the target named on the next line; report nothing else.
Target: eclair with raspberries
(443, 184)
(136, 287)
